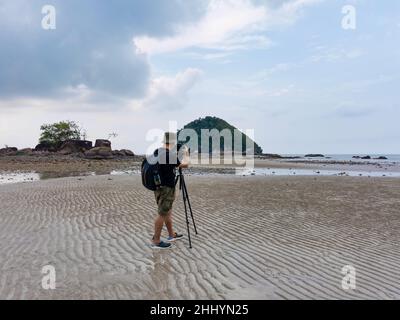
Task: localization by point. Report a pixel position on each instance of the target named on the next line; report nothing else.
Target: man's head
(169, 140)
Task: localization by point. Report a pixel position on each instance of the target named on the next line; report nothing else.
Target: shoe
(176, 237)
(161, 245)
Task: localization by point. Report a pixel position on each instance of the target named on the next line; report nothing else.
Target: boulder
(75, 146)
(314, 156)
(381, 158)
(118, 153)
(123, 153)
(356, 157)
(366, 158)
(46, 146)
(99, 153)
(127, 152)
(100, 143)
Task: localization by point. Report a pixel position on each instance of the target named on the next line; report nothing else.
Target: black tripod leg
(190, 206)
(187, 217)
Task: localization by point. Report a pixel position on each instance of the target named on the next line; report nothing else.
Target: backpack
(150, 173)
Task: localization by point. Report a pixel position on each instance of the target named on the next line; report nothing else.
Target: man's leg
(158, 225)
(168, 223)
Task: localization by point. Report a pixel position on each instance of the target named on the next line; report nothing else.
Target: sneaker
(161, 245)
(174, 238)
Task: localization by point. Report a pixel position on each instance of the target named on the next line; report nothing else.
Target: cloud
(352, 110)
(169, 93)
(91, 46)
(226, 25)
(218, 28)
(163, 94)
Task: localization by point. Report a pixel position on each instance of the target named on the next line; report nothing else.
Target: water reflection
(15, 177)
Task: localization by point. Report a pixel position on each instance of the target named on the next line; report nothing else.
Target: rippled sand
(260, 238)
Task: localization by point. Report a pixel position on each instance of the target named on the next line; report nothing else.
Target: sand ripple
(260, 238)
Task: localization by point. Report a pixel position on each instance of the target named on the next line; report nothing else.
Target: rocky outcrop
(9, 151)
(381, 158)
(75, 146)
(127, 153)
(25, 152)
(101, 143)
(123, 153)
(99, 153)
(314, 156)
(366, 158)
(46, 146)
(271, 156)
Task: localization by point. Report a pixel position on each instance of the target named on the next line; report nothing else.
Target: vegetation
(56, 133)
(210, 123)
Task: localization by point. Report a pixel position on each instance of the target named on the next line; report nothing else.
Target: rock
(100, 143)
(75, 146)
(127, 152)
(45, 146)
(356, 157)
(271, 156)
(314, 156)
(99, 153)
(381, 158)
(366, 158)
(25, 152)
(118, 153)
(9, 151)
(123, 153)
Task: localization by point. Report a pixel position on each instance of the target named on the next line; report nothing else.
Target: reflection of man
(165, 194)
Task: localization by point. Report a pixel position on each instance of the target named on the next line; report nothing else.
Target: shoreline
(15, 169)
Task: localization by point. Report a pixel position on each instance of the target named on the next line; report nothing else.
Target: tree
(210, 123)
(56, 133)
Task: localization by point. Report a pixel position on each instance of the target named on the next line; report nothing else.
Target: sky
(291, 70)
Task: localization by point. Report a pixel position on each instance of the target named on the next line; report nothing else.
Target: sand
(259, 238)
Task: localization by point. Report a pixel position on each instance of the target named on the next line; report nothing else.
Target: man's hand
(185, 158)
(183, 166)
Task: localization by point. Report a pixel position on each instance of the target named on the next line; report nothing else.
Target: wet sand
(259, 238)
(58, 166)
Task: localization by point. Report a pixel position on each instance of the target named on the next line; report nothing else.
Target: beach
(275, 237)
(14, 169)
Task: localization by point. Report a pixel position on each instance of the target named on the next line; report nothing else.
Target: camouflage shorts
(165, 197)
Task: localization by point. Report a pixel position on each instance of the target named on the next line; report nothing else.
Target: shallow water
(391, 158)
(6, 178)
(314, 172)
(24, 177)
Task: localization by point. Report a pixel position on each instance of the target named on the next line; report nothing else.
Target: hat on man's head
(169, 138)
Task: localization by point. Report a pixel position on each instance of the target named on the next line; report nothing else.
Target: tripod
(186, 203)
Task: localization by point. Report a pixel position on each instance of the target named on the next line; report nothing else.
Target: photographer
(165, 194)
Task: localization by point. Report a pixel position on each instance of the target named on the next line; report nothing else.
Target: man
(165, 194)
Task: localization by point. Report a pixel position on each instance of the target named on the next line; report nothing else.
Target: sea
(349, 157)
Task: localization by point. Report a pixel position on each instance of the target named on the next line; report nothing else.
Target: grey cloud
(92, 45)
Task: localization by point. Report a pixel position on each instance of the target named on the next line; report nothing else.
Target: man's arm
(184, 163)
